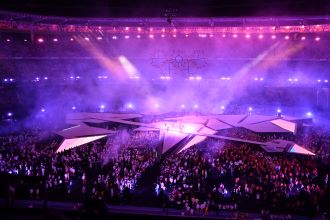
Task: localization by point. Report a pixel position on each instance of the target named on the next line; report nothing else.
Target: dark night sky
(155, 8)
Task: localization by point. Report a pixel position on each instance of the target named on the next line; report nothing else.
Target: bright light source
(250, 108)
(73, 107)
(303, 38)
(187, 35)
(223, 35)
(317, 38)
(45, 78)
(295, 79)
(273, 37)
(71, 77)
(247, 36)
(279, 110)
(228, 78)
(11, 80)
(222, 107)
(130, 106)
(211, 35)
(40, 40)
(261, 36)
(9, 114)
(139, 36)
(126, 28)
(37, 78)
(102, 106)
(326, 81)
(287, 37)
(114, 37)
(290, 80)
(156, 106)
(174, 35)
(182, 106)
(318, 80)
(151, 36)
(8, 40)
(195, 106)
(99, 38)
(235, 36)
(256, 79)
(261, 79)
(71, 39)
(309, 114)
(202, 35)
(163, 35)
(139, 29)
(25, 40)
(198, 78)
(86, 38)
(126, 37)
(43, 110)
(55, 39)
(191, 78)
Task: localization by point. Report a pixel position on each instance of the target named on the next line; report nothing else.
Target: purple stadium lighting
(99, 38)
(11, 80)
(40, 40)
(317, 39)
(43, 110)
(86, 38)
(5, 80)
(279, 110)
(182, 106)
(127, 37)
(25, 40)
(114, 37)
(139, 29)
(250, 109)
(273, 37)
(151, 36)
(45, 78)
(129, 105)
(9, 114)
(326, 81)
(261, 36)
(139, 36)
(223, 35)
(55, 40)
(235, 36)
(303, 38)
(71, 39)
(73, 107)
(102, 106)
(8, 40)
(222, 107)
(174, 35)
(286, 37)
(309, 114)
(163, 35)
(156, 106)
(247, 36)
(196, 106)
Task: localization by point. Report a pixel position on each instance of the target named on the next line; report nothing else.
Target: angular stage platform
(86, 128)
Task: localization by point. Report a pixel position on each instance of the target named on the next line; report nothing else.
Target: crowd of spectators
(232, 176)
(214, 175)
(75, 174)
